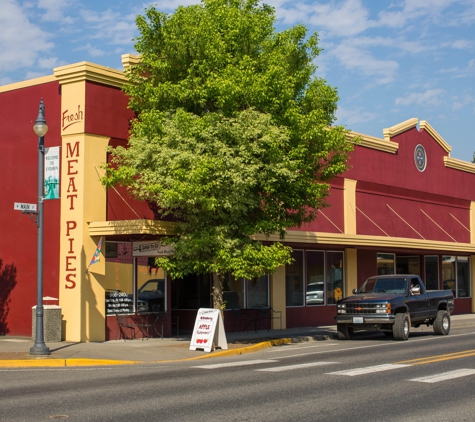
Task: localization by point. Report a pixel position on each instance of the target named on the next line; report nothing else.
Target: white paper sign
(209, 331)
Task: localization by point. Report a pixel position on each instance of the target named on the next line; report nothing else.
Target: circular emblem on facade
(420, 158)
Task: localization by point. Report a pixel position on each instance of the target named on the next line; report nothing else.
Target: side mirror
(355, 291)
(416, 290)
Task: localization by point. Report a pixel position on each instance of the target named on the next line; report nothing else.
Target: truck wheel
(344, 332)
(442, 323)
(401, 327)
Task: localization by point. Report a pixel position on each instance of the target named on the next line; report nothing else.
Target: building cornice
(372, 142)
(457, 164)
(86, 71)
(432, 132)
(131, 227)
(388, 133)
(28, 83)
(130, 60)
(158, 227)
(348, 240)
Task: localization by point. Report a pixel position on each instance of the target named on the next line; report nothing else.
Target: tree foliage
(234, 135)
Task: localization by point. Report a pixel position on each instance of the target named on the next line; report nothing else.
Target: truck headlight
(341, 308)
(383, 308)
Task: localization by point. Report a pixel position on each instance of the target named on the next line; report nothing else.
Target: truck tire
(401, 327)
(344, 331)
(442, 323)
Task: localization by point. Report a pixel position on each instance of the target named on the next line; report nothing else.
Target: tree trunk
(218, 280)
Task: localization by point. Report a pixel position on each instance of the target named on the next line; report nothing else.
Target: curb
(234, 352)
(107, 362)
(81, 362)
(57, 363)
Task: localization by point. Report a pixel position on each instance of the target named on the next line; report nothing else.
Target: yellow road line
(440, 358)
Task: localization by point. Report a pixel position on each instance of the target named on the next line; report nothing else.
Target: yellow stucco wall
(351, 270)
(349, 201)
(83, 199)
(277, 296)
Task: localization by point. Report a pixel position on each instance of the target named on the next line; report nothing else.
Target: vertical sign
(209, 331)
(51, 173)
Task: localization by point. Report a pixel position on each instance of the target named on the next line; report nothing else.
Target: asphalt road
(371, 378)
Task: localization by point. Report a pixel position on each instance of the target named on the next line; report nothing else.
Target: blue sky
(390, 60)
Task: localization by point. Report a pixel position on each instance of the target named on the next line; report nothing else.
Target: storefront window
(233, 292)
(323, 275)
(335, 285)
(431, 272)
(258, 292)
(191, 292)
(149, 293)
(463, 277)
(385, 263)
(456, 275)
(315, 265)
(408, 265)
(294, 280)
(119, 278)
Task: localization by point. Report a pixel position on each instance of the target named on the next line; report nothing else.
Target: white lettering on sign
(19, 206)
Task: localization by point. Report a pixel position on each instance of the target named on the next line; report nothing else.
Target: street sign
(24, 207)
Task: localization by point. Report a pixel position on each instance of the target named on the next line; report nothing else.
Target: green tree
(234, 135)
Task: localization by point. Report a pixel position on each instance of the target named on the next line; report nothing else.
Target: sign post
(209, 331)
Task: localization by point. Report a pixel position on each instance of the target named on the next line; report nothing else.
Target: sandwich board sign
(208, 332)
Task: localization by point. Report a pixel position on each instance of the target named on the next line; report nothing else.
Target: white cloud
(353, 116)
(54, 10)
(168, 6)
(111, 26)
(92, 51)
(459, 44)
(462, 101)
(458, 72)
(50, 63)
(21, 42)
(468, 16)
(430, 97)
(34, 74)
(345, 18)
(412, 47)
(414, 10)
(381, 71)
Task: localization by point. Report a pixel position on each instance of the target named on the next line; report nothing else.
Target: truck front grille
(363, 308)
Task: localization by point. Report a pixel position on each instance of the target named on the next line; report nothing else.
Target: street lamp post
(40, 128)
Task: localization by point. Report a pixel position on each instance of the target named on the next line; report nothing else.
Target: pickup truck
(392, 304)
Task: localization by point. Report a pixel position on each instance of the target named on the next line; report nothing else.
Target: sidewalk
(14, 351)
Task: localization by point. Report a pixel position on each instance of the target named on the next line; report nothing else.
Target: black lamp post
(40, 128)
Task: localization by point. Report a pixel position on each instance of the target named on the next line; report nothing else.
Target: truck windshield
(383, 285)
